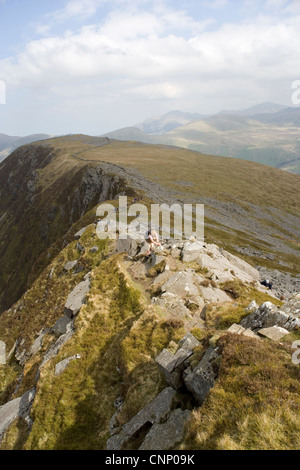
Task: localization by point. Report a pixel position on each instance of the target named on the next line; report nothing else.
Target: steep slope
(91, 378)
(101, 348)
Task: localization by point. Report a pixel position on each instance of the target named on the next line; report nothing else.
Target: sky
(93, 66)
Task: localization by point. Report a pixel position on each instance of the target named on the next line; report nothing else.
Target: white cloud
(159, 55)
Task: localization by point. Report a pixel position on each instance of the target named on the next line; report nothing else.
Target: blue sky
(92, 66)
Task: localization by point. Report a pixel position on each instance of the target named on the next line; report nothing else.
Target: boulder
(292, 306)
(181, 284)
(80, 233)
(240, 330)
(70, 265)
(77, 298)
(166, 436)
(2, 353)
(251, 307)
(274, 333)
(242, 265)
(268, 315)
(38, 343)
(19, 407)
(172, 365)
(191, 251)
(213, 295)
(155, 412)
(200, 380)
(129, 245)
(62, 326)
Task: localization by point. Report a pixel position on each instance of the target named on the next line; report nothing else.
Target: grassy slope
(119, 328)
(223, 179)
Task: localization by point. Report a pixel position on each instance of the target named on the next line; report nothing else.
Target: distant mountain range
(268, 133)
(10, 143)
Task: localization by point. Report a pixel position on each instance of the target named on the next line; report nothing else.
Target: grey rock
(155, 412)
(53, 351)
(51, 273)
(202, 378)
(79, 234)
(38, 343)
(274, 333)
(19, 407)
(268, 315)
(166, 436)
(79, 247)
(94, 249)
(70, 265)
(251, 307)
(62, 326)
(77, 298)
(128, 245)
(172, 365)
(2, 353)
(181, 284)
(191, 251)
(236, 329)
(62, 365)
(240, 330)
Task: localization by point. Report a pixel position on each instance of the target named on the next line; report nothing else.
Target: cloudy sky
(91, 66)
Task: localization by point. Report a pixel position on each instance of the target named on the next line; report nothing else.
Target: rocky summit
(107, 346)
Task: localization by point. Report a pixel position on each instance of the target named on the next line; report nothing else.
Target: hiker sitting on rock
(267, 283)
(152, 240)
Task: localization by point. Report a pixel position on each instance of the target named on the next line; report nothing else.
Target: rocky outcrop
(77, 298)
(156, 412)
(62, 365)
(200, 380)
(165, 436)
(275, 333)
(268, 315)
(173, 365)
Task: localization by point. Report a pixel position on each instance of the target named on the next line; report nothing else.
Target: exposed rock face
(62, 365)
(79, 234)
(268, 315)
(77, 298)
(167, 435)
(62, 326)
(20, 407)
(156, 411)
(239, 330)
(172, 365)
(274, 332)
(284, 284)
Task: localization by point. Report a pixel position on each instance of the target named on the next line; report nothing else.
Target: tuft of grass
(254, 404)
(224, 315)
